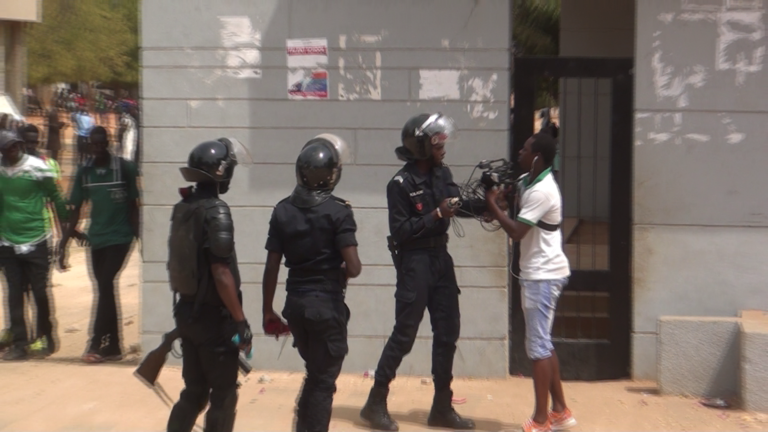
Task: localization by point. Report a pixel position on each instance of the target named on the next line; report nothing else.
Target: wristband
(439, 213)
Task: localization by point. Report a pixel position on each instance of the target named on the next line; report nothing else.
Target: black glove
(244, 335)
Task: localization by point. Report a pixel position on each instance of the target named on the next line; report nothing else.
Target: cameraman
(544, 272)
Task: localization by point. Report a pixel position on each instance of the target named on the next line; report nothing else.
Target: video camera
(499, 172)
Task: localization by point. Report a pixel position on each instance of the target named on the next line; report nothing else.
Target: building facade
(234, 75)
(14, 16)
(276, 73)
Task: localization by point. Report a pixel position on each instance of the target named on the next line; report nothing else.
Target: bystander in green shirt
(25, 190)
(110, 189)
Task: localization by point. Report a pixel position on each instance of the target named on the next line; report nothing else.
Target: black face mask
(223, 187)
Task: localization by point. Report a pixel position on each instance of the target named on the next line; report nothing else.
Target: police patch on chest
(417, 193)
(419, 206)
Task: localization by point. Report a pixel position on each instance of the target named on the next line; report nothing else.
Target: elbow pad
(221, 229)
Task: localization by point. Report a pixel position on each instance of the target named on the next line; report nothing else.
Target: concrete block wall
(754, 368)
(700, 204)
(387, 61)
(699, 356)
(720, 357)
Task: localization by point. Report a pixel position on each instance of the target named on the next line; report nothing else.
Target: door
(591, 331)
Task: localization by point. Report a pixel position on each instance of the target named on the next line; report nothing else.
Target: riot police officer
(203, 271)
(315, 231)
(419, 199)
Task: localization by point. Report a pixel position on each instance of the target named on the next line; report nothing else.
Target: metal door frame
(590, 358)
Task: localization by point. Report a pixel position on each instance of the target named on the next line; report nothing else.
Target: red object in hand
(276, 328)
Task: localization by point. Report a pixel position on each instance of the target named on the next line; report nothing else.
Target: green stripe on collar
(539, 178)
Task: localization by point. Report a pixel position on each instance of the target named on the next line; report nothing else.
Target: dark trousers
(29, 271)
(106, 263)
(318, 323)
(426, 279)
(210, 365)
(82, 148)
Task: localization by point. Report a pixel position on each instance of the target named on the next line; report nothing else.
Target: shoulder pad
(343, 202)
(216, 206)
(221, 228)
(215, 202)
(400, 177)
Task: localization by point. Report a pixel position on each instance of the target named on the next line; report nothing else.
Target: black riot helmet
(215, 162)
(423, 131)
(318, 169)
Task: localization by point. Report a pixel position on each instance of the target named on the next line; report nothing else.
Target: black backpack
(185, 254)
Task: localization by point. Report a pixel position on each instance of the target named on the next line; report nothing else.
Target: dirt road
(62, 394)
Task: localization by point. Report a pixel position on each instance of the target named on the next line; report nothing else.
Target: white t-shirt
(541, 251)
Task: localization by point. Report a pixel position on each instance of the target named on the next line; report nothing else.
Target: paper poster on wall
(307, 68)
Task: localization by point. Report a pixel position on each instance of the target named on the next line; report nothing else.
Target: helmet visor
(238, 151)
(440, 129)
(345, 154)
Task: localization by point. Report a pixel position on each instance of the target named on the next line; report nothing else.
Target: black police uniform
(425, 277)
(202, 233)
(210, 359)
(311, 238)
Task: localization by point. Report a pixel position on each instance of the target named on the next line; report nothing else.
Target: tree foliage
(536, 27)
(84, 40)
(536, 32)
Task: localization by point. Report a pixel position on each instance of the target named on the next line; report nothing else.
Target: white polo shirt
(541, 251)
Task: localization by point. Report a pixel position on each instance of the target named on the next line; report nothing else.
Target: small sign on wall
(307, 68)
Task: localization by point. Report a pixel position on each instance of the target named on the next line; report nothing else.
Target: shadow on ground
(416, 417)
(644, 390)
(131, 362)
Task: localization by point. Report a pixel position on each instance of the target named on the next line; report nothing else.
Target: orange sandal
(92, 358)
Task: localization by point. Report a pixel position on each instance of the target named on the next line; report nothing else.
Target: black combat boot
(443, 415)
(375, 410)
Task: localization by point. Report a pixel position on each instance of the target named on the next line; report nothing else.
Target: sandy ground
(62, 394)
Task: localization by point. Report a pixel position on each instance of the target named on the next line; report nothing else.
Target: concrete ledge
(754, 367)
(698, 356)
